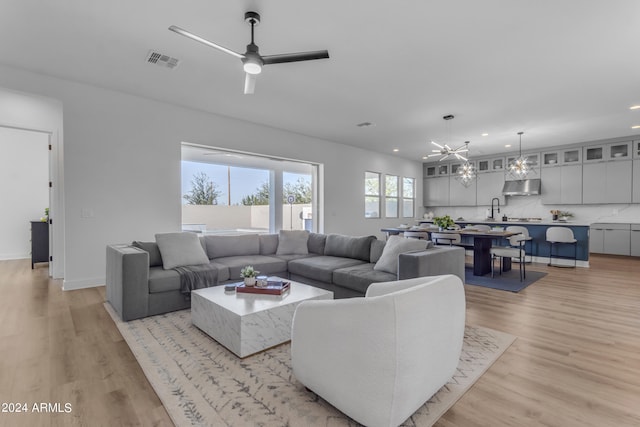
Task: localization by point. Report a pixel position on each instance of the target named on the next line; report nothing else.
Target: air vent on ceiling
(162, 60)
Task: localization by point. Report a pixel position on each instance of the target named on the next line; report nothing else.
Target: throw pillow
(293, 242)
(155, 258)
(180, 249)
(395, 246)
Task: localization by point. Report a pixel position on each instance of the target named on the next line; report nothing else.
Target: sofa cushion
(377, 246)
(266, 265)
(359, 277)
(292, 242)
(268, 244)
(316, 243)
(225, 246)
(223, 271)
(161, 280)
(396, 245)
(339, 245)
(155, 258)
(180, 249)
(320, 267)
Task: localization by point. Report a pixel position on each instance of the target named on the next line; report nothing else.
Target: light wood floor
(576, 361)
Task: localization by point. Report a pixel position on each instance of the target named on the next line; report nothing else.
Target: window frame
(395, 197)
(368, 195)
(412, 198)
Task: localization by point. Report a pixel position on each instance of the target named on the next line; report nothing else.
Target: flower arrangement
(249, 271)
(443, 222)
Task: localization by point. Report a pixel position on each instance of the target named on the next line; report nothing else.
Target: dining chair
(524, 232)
(482, 227)
(561, 235)
(445, 238)
(416, 235)
(514, 250)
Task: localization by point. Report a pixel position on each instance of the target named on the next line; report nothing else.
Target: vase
(249, 281)
(440, 228)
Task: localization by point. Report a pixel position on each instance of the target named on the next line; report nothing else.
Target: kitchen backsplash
(532, 207)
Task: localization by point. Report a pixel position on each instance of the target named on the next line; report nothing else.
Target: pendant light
(519, 168)
(466, 173)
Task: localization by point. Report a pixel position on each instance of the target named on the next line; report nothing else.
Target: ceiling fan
(252, 60)
(445, 151)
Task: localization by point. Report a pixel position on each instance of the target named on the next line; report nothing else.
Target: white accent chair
(381, 357)
(561, 235)
(482, 227)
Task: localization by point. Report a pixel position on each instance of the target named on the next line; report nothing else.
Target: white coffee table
(249, 323)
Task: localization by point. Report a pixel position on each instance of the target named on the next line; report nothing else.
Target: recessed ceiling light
(424, 157)
(635, 107)
(485, 134)
(635, 127)
(507, 146)
(395, 150)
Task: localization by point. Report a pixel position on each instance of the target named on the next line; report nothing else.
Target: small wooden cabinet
(39, 242)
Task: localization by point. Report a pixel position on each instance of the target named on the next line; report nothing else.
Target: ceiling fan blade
(295, 57)
(197, 38)
(249, 83)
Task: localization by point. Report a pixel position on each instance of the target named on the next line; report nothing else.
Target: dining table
(482, 242)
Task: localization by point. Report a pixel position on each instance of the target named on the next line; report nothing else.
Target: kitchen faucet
(497, 200)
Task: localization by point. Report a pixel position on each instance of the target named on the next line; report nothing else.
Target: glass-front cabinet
(562, 157)
(430, 171)
(443, 170)
(605, 152)
(636, 149)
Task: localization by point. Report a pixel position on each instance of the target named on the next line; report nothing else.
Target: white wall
(122, 167)
(24, 190)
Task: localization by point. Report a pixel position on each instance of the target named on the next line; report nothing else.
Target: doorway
(24, 188)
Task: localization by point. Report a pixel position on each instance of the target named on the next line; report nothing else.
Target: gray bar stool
(561, 235)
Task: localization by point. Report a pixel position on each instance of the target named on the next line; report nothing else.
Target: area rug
(508, 281)
(200, 383)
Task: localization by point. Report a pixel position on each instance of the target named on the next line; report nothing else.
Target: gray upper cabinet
(436, 191)
(562, 185)
(607, 182)
(489, 185)
(635, 197)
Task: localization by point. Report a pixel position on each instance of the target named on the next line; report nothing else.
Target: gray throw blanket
(196, 277)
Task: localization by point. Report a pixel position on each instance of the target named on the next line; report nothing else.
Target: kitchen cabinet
(613, 151)
(635, 197)
(436, 191)
(488, 186)
(636, 149)
(610, 238)
(607, 182)
(459, 194)
(635, 239)
(562, 185)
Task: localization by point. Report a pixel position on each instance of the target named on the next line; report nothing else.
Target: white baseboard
(71, 285)
(11, 257)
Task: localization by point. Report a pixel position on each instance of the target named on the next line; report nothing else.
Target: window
(371, 195)
(391, 196)
(229, 192)
(408, 197)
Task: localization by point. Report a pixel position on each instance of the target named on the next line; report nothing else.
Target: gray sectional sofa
(139, 284)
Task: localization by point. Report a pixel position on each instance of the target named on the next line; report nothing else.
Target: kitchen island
(537, 247)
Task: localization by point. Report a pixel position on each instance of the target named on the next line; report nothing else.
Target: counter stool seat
(561, 236)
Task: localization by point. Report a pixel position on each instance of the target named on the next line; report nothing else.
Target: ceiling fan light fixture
(252, 67)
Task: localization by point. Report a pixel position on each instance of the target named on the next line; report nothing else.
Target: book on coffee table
(272, 288)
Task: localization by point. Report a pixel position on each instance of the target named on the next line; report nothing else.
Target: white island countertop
(517, 222)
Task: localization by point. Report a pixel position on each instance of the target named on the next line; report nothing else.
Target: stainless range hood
(526, 187)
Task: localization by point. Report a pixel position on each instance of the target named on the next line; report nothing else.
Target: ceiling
(561, 71)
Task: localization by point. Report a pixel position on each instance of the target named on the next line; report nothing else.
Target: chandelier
(466, 173)
(519, 168)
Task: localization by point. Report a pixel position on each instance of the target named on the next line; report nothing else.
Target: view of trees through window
(225, 192)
